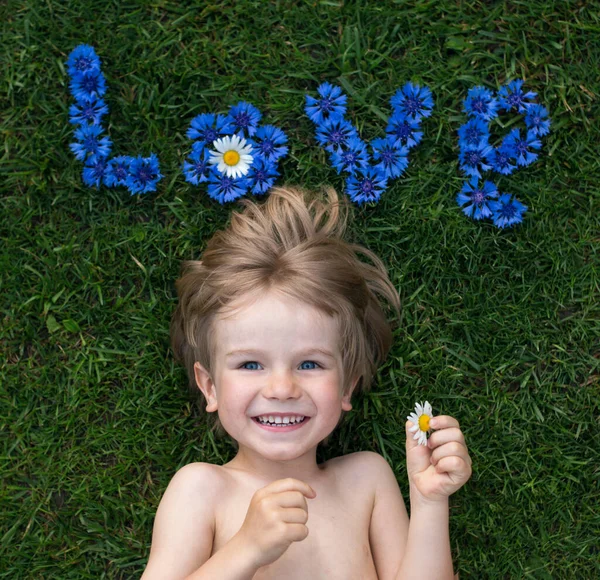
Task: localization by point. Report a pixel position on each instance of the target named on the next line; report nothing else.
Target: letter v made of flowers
(368, 179)
(88, 86)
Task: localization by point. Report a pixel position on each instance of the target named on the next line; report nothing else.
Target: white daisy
(232, 156)
(420, 419)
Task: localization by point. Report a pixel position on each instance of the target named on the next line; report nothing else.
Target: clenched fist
(276, 517)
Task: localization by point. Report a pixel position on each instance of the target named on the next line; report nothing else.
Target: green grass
(499, 328)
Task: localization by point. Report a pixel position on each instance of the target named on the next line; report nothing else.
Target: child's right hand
(276, 517)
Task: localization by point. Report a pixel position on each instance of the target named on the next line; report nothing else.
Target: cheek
(330, 397)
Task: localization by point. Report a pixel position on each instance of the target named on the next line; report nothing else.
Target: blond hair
(293, 243)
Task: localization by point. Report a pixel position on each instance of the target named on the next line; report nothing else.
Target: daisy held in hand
(440, 465)
(420, 418)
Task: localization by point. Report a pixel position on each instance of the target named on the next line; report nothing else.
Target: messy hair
(294, 244)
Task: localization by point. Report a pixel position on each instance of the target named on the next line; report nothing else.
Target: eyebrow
(308, 351)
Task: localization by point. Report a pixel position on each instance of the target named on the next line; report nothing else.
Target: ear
(346, 405)
(206, 385)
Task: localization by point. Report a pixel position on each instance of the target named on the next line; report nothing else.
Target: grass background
(499, 328)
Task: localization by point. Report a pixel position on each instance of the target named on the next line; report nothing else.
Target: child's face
(281, 372)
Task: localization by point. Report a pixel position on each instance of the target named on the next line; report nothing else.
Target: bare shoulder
(364, 468)
(200, 473)
(183, 532)
(361, 463)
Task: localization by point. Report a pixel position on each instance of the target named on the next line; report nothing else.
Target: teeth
(290, 419)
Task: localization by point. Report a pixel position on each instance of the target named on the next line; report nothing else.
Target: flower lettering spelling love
(368, 174)
(477, 155)
(233, 154)
(88, 86)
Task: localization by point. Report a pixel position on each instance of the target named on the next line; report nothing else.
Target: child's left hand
(437, 470)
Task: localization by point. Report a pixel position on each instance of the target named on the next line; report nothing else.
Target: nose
(282, 385)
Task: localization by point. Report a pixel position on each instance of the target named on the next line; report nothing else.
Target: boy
(277, 325)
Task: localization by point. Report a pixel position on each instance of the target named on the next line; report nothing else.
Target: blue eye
(252, 362)
(310, 362)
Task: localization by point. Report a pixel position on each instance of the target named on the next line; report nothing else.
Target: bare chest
(337, 547)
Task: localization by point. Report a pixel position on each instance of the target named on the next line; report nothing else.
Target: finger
(294, 516)
(455, 467)
(417, 456)
(290, 499)
(412, 436)
(443, 422)
(454, 448)
(289, 484)
(445, 436)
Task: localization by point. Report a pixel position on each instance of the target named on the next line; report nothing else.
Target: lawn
(499, 328)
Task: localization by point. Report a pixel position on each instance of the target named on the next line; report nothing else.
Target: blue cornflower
(352, 157)
(331, 104)
(335, 133)
(262, 176)
(208, 127)
(473, 133)
(89, 144)
(512, 96)
(507, 212)
(480, 102)
(117, 170)
(87, 86)
(94, 171)
(83, 59)
(88, 111)
(413, 101)
(144, 174)
(500, 160)
(196, 170)
(269, 141)
(474, 159)
(393, 160)
(404, 130)
(223, 188)
(536, 120)
(245, 118)
(476, 198)
(367, 185)
(519, 148)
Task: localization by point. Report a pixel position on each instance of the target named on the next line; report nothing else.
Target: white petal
(417, 435)
(419, 409)
(414, 428)
(423, 440)
(428, 409)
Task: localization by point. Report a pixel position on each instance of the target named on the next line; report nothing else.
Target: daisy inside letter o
(232, 156)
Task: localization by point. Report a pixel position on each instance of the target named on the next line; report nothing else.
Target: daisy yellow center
(424, 422)
(231, 157)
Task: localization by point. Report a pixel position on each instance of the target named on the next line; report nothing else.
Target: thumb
(418, 457)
